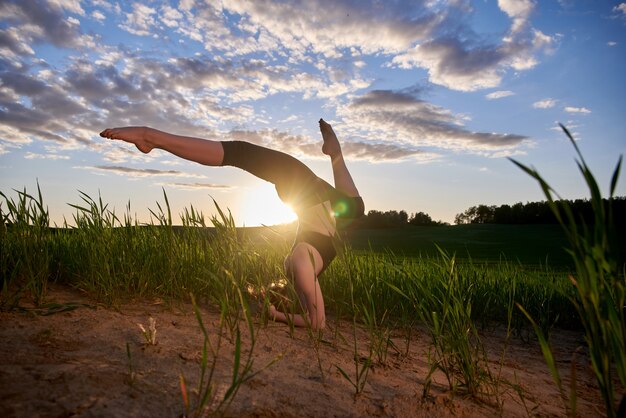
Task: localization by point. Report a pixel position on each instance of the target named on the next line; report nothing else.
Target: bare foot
(134, 134)
(331, 145)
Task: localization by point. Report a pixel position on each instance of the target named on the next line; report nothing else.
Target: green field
(385, 280)
(535, 245)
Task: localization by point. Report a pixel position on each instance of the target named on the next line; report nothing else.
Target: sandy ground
(76, 363)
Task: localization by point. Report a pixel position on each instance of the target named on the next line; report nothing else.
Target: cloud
(302, 146)
(54, 105)
(299, 25)
(140, 21)
(620, 9)
(38, 21)
(403, 119)
(97, 15)
(11, 137)
(619, 12)
(195, 186)
(140, 172)
(428, 35)
(43, 111)
(171, 17)
(121, 154)
(570, 109)
(72, 6)
(519, 11)
(468, 66)
(544, 104)
(454, 64)
(381, 152)
(252, 51)
(462, 60)
(49, 156)
(571, 125)
(390, 126)
(69, 107)
(499, 94)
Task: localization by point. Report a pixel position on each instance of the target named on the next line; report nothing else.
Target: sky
(430, 99)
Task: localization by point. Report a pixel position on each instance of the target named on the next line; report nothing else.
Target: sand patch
(76, 363)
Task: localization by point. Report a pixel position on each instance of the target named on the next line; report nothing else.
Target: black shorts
(322, 243)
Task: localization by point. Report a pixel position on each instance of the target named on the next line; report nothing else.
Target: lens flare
(340, 208)
(261, 206)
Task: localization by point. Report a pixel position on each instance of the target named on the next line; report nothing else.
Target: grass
(112, 256)
(209, 401)
(383, 280)
(599, 283)
(361, 367)
(531, 245)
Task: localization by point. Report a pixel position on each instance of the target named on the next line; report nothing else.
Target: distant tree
(395, 219)
(517, 213)
(388, 219)
(423, 219)
(484, 214)
(481, 214)
(374, 219)
(503, 215)
(461, 218)
(420, 218)
(538, 212)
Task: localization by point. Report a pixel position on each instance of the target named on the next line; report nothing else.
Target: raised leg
(331, 147)
(199, 150)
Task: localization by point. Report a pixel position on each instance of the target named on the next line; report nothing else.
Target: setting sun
(261, 206)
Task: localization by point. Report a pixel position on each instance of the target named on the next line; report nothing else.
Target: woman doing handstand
(315, 202)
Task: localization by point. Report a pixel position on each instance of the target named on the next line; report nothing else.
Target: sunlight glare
(261, 206)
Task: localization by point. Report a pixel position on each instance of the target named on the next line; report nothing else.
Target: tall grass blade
(600, 284)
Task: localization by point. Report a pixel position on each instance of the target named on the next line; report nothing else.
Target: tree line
(518, 213)
(537, 212)
(394, 219)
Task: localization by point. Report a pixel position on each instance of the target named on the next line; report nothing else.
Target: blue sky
(429, 98)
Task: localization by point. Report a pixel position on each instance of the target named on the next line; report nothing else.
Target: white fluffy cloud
(402, 118)
(499, 94)
(196, 186)
(459, 63)
(140, 21)
(328, 26)
(452, 64)
(544, 104)
(240, 53)
(620, 9)
(571, 109)
(140, 172)
(519, 11)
